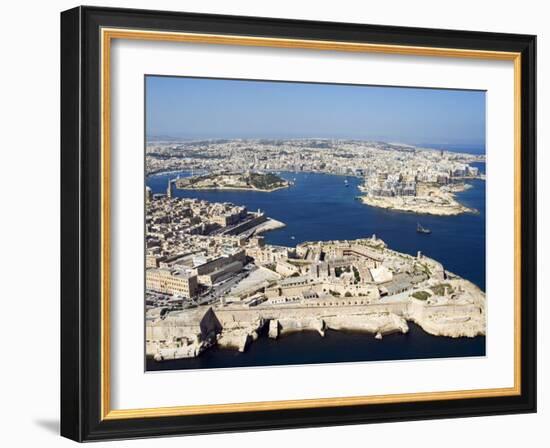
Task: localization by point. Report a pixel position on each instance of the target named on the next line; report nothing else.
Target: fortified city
(211, 278)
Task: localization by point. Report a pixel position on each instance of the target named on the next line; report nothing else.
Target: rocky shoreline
(188, 334)
(401, 205)
(251, 181)
(437, 202)
(430, 200)
(229, 188)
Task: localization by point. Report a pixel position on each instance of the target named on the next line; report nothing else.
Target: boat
(421, 229)
(346, 182)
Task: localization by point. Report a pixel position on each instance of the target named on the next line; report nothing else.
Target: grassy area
(424, 268)
(259, 181)
(266, 181)
(439, 290)
(356, 275)
(421, 295)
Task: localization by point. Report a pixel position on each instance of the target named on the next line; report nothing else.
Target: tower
(169, 191)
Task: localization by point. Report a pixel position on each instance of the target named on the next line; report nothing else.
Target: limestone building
(172, 281)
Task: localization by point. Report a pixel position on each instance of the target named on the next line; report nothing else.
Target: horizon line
(359, 139)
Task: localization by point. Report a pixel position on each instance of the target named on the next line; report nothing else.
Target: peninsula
(211, 280)
(428, 199)
(266, 182)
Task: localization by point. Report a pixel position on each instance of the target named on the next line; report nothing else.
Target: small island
(265, 182)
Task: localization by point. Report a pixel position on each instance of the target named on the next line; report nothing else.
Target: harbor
(320, 207)
(300, 214)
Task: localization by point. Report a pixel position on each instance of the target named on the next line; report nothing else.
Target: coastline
(419, 209)
(312, 193)
(222, 188)
(421, 205)
(242, 327)
(440, 302)
(307, 347)
(269, 225)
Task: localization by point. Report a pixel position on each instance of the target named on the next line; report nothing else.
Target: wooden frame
(86, 35)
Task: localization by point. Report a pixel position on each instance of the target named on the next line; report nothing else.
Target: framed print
(275, 224)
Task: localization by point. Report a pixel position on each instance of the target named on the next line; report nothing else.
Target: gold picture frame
(106, 32)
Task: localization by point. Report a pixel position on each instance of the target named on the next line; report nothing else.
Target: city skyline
(204, 108)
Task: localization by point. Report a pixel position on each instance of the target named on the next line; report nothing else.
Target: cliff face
(210, 325)
(454, 308)
(376, 323)
(290, 325)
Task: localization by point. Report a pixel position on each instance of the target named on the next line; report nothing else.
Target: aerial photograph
(292, 223)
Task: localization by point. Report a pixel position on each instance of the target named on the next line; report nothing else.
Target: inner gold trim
(107, 35)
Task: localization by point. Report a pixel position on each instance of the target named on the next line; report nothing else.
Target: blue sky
(217, 108)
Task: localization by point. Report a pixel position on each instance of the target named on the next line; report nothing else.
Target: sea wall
(186, 334)
(466, 320)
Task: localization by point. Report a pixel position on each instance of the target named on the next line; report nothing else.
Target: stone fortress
(356, 285)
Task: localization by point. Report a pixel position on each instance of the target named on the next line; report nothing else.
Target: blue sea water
(307, 347)
(322, 207)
